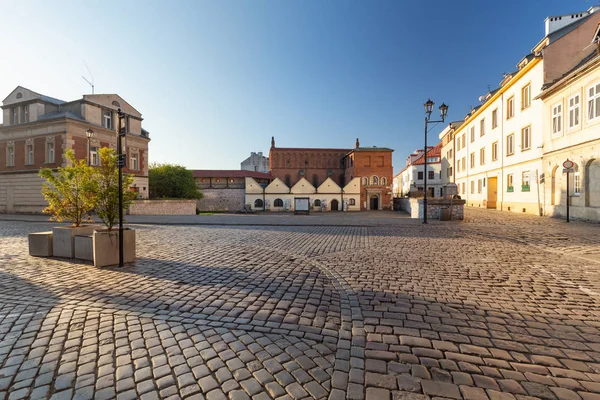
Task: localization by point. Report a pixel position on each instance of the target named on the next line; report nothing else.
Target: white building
(412, 177)
(256, 162)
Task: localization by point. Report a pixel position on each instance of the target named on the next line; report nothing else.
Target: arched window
(288, 181)
(374, 180)
(278, 203)
(383, 181)
(351, 202)
(317, 203)
(258, 203)
(315, 181)
(365, 181)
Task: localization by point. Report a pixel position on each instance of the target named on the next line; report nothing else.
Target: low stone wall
(222, 200)
(415, 207)
(163, 207)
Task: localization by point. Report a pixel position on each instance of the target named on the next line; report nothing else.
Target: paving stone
(442, 389)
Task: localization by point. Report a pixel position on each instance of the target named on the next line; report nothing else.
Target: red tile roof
(435, 152)
(229, 173)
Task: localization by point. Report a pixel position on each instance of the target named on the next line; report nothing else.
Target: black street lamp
(443, 112)
(90, 134)
(120, 164)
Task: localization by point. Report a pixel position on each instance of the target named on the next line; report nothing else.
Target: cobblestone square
(500, 306)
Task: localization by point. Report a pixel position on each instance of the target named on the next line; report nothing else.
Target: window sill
(527, 149)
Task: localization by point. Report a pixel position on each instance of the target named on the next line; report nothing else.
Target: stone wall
(415, 207)
(163, 207)
(222, 200)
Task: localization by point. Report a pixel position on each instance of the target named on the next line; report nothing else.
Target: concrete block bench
(40, 244)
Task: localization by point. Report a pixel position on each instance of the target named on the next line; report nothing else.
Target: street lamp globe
(89, 133)
(428, 106)
(443, 110)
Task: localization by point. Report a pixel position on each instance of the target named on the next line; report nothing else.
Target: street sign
(568, 164)
(121, 161)
(542, 178)
(568, 170)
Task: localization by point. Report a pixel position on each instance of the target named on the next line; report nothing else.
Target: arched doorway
(334, 205)
(374, 202)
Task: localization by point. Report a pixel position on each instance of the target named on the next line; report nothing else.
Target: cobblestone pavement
(500, 306)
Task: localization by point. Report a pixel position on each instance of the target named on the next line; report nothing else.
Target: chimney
(357, 145)
(272, 141)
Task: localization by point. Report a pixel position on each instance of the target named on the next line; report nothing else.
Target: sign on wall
(301, 205)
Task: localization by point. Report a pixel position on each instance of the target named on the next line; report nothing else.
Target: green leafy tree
(107, 190)
(70, 192)
(172, 181)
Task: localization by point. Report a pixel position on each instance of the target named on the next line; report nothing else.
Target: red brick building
(372, 164)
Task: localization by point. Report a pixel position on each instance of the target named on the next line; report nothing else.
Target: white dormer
(558, 22)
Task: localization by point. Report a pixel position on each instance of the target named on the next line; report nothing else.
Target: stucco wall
(163, 207)
(21, 193)
(221, 200)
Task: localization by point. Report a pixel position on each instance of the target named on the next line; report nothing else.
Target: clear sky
(215, 80)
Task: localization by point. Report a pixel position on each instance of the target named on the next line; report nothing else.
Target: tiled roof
(229, 173)
(435, 152)
(307, 149)
(60, 114)
(584, 61)
(372, 148)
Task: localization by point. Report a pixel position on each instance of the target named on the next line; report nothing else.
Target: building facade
(373, 165)
(225, 190)
(256, 162)
(412, 178)
(37, 130)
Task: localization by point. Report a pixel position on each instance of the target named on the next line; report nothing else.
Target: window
(510, 144)
(430, 175)
(351, 202)
(576, 183)
(472, 134)
(29, 154)
(278, 203)
(315, 181)
(94, 156)
(479, 186)
(107, 119)
(495, 151)
(472, 187)
(374, 180)
(510, 108)
(495, 118)
(26, 113)
(420, 175)
(449, 154)
(472, 163)
(50, 152)
(574, 111)
(464, 140)
(594, 102)
(134, 161)
(258, 203)
(463, 188)
(509, 183)
(10, 157)
(464, 163)
(317, 203)
(526, 138)
(525, 181)
(557, 119)
(458, 143)
(482, 127)
(365, 181)
(383, 181)
(458, 167)
(449, 173)
(525, 97)
(482, 156)
(15, 115)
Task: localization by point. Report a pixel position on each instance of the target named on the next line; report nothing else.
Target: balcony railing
(510, 189)
(525, 188)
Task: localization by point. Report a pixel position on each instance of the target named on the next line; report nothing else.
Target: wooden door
(492, 192)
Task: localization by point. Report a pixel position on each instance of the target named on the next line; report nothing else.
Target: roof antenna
(92, 76)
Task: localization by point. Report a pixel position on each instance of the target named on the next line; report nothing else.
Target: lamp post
(90, 134)
(120, 164)
(428, 109)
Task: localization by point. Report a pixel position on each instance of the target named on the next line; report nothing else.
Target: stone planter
(63, 239)
(106, 247)
(40, 244)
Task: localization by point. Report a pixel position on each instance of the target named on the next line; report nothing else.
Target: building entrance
(334, 205)
(374, 202)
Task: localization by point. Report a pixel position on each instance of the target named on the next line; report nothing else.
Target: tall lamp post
(90, 134)
(120, 164)
(443, 111)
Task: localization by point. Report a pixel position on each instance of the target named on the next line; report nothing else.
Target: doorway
(334, 205)
(492, 192)
(374, 202)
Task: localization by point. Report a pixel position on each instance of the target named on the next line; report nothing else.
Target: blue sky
(215, 80)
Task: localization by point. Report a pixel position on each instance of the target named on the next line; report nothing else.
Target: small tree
(71, 191)
(107, 192)
(172, 181)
